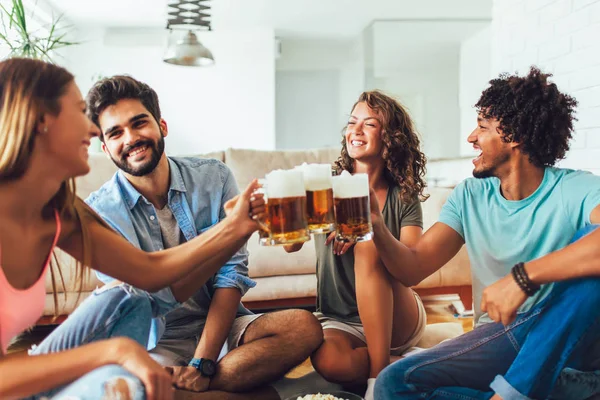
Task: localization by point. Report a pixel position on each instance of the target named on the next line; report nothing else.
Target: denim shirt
(198, 190)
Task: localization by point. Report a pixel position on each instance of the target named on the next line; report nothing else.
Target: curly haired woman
(366, 315)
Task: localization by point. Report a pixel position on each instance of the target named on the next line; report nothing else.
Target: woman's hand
(339, 248)
(135, 359)
(239, 208)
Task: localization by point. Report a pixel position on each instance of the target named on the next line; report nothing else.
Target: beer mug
(286, 207)
(319, 197)
(352, 210)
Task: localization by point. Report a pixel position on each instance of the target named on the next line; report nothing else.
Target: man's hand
(189, 378)
(239, 207)
(502, 300)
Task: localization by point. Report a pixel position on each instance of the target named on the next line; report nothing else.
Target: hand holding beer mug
(260, 215)
(319, 197)
(338, 248)
(286, 207)
(352, 208)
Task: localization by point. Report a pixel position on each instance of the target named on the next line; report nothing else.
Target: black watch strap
(206, 367)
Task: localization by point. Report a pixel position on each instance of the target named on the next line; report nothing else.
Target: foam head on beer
(347, 186)
(316, 176)
(285, 183)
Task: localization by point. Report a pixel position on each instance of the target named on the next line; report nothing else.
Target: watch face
(208, 368)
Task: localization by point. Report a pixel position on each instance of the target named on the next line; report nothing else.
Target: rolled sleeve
(234, 274)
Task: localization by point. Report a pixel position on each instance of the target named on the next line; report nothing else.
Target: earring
(45, 129)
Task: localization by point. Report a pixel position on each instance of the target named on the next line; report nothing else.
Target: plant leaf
(29, 44)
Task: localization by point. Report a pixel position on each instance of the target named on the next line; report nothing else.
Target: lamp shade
(188, 51)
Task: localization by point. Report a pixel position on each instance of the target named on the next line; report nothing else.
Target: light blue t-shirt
(499, 233)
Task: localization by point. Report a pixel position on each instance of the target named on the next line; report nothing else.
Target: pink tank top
(20, 309)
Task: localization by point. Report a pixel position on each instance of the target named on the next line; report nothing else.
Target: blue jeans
(520, 361)
(121, 311)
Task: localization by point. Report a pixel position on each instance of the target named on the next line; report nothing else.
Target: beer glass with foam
(352, 212)
(286, 207)
(319, 197)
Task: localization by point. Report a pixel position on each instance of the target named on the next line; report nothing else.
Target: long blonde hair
(28, 89)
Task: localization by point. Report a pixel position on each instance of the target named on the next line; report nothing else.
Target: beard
(147, 167)
(491, 170)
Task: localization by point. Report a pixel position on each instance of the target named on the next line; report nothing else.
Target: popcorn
(319, 396)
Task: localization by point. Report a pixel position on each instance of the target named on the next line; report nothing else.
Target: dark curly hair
(109, 91)
(532, 112)
(404, 161)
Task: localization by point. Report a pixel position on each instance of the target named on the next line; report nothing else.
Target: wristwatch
(206, 367)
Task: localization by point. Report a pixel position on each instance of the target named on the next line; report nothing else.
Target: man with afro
(536, 291)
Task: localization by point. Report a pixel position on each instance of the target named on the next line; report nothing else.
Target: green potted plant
(21, 41)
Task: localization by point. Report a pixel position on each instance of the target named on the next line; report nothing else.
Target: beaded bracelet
(520, 276)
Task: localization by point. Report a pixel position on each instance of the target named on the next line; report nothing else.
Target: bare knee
(309, 328)
(372, 270)
(303, 328)
(332, 365)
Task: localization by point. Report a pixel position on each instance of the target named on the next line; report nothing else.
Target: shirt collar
(132, 196)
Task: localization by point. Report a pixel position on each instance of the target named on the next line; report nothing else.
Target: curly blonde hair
(404, 161)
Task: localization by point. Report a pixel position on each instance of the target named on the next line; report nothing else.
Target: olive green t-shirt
(336, 288)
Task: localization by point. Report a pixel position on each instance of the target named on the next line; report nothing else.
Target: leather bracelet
(522, 279)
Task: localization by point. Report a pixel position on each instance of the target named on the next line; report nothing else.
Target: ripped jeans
(121, 311)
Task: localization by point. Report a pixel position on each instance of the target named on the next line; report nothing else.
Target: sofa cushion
(274, 261)
(283, 287)
(68, 269)
(101, 170)
(250, 164)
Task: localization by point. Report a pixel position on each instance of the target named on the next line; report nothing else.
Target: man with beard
(520, 218)
(212, 342)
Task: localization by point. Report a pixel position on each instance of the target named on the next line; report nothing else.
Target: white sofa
(282, 279)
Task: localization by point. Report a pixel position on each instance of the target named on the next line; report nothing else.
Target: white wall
(231, 104)
(475, 73)
(559, 36)
(419, 62)
(562, 37)
(307, 109)
(431, 96)
(317, 81)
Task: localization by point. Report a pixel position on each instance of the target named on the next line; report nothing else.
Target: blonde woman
(44, 139)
